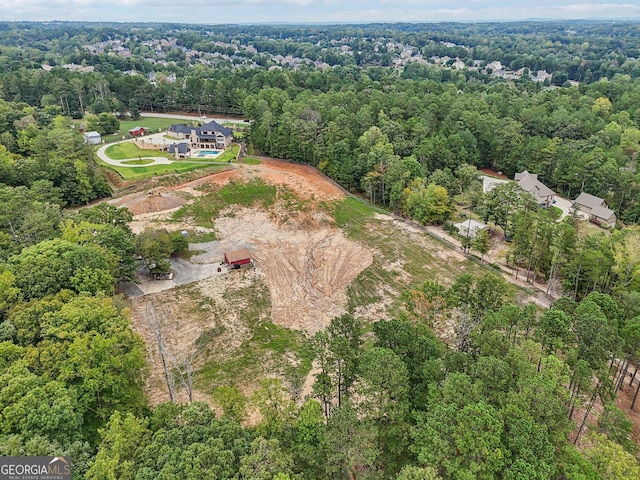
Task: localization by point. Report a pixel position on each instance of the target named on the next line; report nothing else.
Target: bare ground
(307, 267)
(191, 319)
(303, 180)
(156, 200)
(302, 261)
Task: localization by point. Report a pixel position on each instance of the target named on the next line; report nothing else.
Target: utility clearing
(317, 254)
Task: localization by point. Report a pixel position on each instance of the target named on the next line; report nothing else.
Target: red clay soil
(155, 201)
(303, 180)
(493, 173)
(623, 400)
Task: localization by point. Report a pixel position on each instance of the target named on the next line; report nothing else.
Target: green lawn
(555, 212)
(234, 124)
(137, 173)
(251, 161)
(144, 161)
(153, 123)
(121, 151)
(229, 154)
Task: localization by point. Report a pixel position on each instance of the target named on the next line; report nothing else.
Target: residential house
(179, 150)
(470, 228)
(209, 135)
(596, 209)
(92, 138)
(529, 183)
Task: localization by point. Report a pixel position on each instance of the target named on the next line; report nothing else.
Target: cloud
(352, 11)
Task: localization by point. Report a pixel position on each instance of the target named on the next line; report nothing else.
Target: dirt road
(194, 116)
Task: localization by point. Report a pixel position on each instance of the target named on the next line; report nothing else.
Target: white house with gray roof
(470, 228)
(92, 138)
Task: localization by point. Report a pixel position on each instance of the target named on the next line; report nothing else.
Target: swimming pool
(208, 153)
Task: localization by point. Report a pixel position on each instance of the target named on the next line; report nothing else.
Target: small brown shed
(237, 257)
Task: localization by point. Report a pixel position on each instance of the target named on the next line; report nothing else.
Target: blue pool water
(206, 153)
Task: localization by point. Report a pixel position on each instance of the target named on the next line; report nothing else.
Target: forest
(525, 392)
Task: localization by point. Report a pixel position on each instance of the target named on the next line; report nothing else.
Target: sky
(312, 11)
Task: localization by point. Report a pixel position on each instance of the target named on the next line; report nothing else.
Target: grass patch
(228, 156)
(251, 161)
(152, 123)
(122, 151)
(129, 174)
(144, 161)
(229, 124)
(351, 212)
(421, 261)
(201, 237)
(555, 212)
(255, 192)
(206, 208)
(267, 347)
(585, 228)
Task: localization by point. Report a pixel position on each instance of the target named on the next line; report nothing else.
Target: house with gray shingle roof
(179, 150)
(596, 208)
(529, 183)
(470, 228)
(92, 138)
(209, 135)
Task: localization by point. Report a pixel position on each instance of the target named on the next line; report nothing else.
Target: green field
(229, 154)
(251, 161)
(122, 151)
(421, 261)
(153, 123)
(129, 150)
(206, 208)
(144, 161)
(138, 173)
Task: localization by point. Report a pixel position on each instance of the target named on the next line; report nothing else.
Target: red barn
(137, 132)
(237, 258)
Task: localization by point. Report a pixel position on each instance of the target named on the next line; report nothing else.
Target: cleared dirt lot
(303, 180)
(307, 264)
(303, 266)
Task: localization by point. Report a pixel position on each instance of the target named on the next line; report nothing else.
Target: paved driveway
(489, 183)
(564, 205)
(118, 163)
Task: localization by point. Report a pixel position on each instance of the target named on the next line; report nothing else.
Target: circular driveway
(119, 163)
